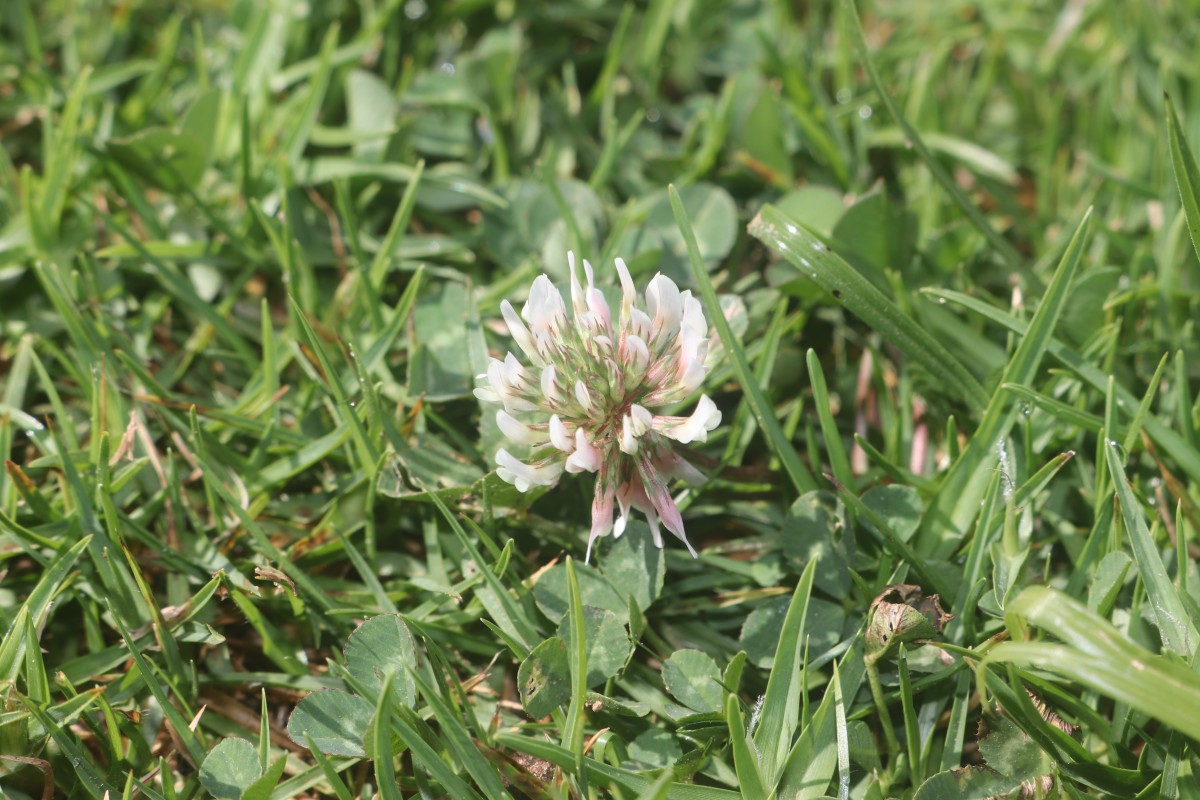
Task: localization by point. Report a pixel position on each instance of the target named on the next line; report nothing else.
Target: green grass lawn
(253, 540)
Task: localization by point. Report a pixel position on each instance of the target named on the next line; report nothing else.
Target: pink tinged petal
(525, 476)
(632, 494)
(518, 431)
(520, 333)
(560, 437)
(550, 386)
(623, 502)
(660, 497)
(597, 306)
(602, 513)
(586, 458)
(671, 464)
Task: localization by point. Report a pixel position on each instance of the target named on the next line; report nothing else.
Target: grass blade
(781, 703)
(763, 412)
(1187, 175)
(829, 271)
(1174, 624)
(1097, 655)
(957, 502)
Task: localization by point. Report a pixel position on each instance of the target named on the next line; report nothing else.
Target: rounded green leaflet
(230, 768)
(814, 528)
(713, 214)
(692, 677)
(607, 643)
(634, 566)
(898, 506)
(333, 720)
(762, 629)
(381, 645)
(545, 678)
(550, 592)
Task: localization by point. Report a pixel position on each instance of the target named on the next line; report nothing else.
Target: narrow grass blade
(368, 454)
(1187, 174)
(812, 762)
(1176, 627)
(35, 606)
(387, 248)
(939, 172)
(424, 755)
(912, 734)
(496, 598)
(460, 742)
(763, 412)
(838, 461)
(606, 775)
(843, 739)
(573, 726)
(957, 503)
(781, 703)
(1143, 410)
(829, 271)
(1187, 456)
(91, 778)
(381, 743)
(745, 760)
(193, 747)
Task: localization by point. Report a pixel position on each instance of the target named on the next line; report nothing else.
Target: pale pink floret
(587, 405)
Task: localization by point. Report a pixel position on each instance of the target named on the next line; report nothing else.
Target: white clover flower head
(584, 403)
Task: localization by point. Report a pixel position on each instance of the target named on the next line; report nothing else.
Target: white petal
(520, 333)
(526, 475)
(665, 305)
(636, 355)
(586, 457)
(515, 372)
(640, 324)
(518, 431)
(550, 389)
(696, 427)
(584, 398)
(642, 420)
(628, 443)
(486, 394)
(544, 310)
(560, 437)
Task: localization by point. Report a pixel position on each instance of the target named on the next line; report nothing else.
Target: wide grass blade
(1097, 655)
(808, 254)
